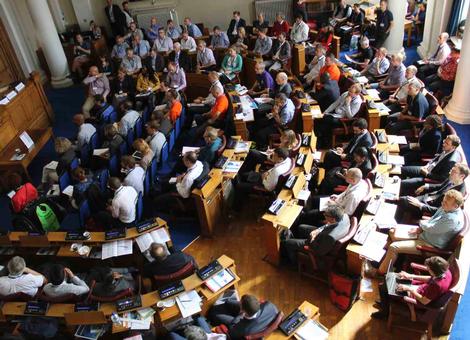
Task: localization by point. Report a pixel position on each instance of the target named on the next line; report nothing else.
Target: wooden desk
(198, 85)
(298, 59)
(309, 309)
(40, 138)
(373, 118)
(409, 30)
(209, 202)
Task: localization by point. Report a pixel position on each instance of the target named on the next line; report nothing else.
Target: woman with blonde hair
(241, 44)
(146, 152)
(66, 152)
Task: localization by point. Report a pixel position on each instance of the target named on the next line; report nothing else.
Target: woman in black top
(260, 23)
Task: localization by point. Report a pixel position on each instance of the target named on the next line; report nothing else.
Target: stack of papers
(242, 147)
(395, 160)
(346, 28)
(316, 112)
(312, 330)
(373, 93)
(263, 100)
(100, 152)
(233, 166)
(189, 303)
(159, 236)
(189, 149)
(362, 80)
(385, 216)
(402, 232)
(373, 247)
(392, 139)
(116, 248)
(324, 203)
(219, 280)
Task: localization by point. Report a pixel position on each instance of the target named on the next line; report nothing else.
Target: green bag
(47, 217)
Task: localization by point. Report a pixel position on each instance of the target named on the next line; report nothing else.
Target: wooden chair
(346, 129)
(431, 314)
(271, 328)
(314, 266)
(18, 297)
(221, 149)
(184, 272)
(122, 294)
(67, 298)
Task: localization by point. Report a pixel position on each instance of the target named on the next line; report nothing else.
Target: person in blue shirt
(192, 29)
(81, 187)
(208, 153)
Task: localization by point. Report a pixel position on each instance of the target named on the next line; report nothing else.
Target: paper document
(100, 152)
(189, 149)
(172, 180)
(241, 147)
(385, 216)
(145, 240)
(52, 165)
(116, 248)
(312, 330)
(195, 104)
(402, 232)
(189, 303)
(160, 107)
(4, 101)
(26, 139)
(263, 100)
(373, 93)
(373, 247)
(219, 280)
(392, 139)
(303, 195)
(346, 28)
(317, 155)
(68, 191)
(324, 203)
(11, 194)
(421, 62)
(233, 166)
(381, 107)
(395, 159)
(316, 111)
(19, 87)
(362, 80)
(11, 95)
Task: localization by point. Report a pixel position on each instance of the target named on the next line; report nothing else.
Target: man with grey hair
(399, 96)
(20, 279)
(205, 57)
(180, 57)
(378, 66)
(429, 65)
(365, 54)
(201, 330)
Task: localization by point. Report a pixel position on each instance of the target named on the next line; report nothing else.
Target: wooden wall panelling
(10, 70)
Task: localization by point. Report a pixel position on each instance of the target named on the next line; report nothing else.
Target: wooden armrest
(432, 250)
(339, 189)
(431, 181)
(418, 267)
(408, 299)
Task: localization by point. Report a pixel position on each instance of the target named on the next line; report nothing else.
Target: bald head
(78, 119)
(281, 78)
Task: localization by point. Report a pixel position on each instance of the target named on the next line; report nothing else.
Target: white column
(437, 17)
(458, 109)
(50, 43)
(394, 42)
(58, 15)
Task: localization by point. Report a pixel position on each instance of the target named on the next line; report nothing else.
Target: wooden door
(10, 70)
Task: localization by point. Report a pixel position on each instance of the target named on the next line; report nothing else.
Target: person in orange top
(331, 68)
(216, 116)
(175, 106)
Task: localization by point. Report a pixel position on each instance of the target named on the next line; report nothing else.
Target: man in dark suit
(437, 169)
(235, 23)
(361, 137)
(155, 61)
(328, 93)
(281, 53)
(165, 264)
(431, 195)
(249, 316)
(180, 57)
(320, 239)
(116, 17)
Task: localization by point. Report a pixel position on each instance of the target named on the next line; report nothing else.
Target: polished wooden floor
(241, 239)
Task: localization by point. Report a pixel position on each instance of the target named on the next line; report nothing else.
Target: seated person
(167, 200)
(243, 318)
(315, 65)
(141, 47)
(163, 121)
(146, 153)
(155, 62)
(328, 93)
(364, 55)
(346, 106)
(436, 169)
(361, 138)
(152, 31)
(98, 84)
(263, 43)
(187, 42)
(348, 200)
(281, 115)
(325, 36)
(429, 141)
(113, 139)
(180, 57)
(175, 79)
(172, 31)
(378, 66)
(216, 116)
(82, 183)
(121, 212)
(63, 281)
(430, 196)
(219, 39)
(432, 63)
(335, 176)
(436, 232)
(288, 140)
(97, 111)
(208, 152)
(156, 139)
(424, 288)
(147, 85)
(81, 52)
(166, 264)
(264, 83)
(281, 53)
(123, 87)
(299, 31)
(192, 29)
(132, 32)
(241, 41)
(281, 85)
(231, 64)
(321, 239)
(443, 79)
(20, 279)
(244, 183)
(23, 192)
(342, 13)
(205, 59)
(129, 118)
(331, 67)
(235, 23)
(395, 77)
(66, 152)
(112, 281)
(398, 98)
(134, 173)
(131, 63)
(416, 109)
(355, 21)
(85, 130)
(105, 66)
(162, 43)
(174, 106)
(200, 330)
(280, 25)
(119, 49)
(260, 23)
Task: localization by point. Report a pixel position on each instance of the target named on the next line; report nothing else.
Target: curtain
(455, 15)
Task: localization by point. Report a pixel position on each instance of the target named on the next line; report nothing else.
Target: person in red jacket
(23, 193)
(280, 25)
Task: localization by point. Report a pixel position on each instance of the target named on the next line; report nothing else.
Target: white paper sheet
(189, 149)
(312, 330)
(189, 303)
(26, 139)
(116, 248)
(68, 191)
(373, 247)
(52, 165)
(392, 139)
(323, 203)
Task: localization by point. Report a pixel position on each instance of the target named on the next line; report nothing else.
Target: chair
(346, 129)
(271, 328)
(64, 181)
(123, 150)
(323, 264)
(139, 207)
(108, 112)
(221, 148)
(122, 294)
(153, 169)
(74, 163)
(67, 298)
(94, 142)
(375, 142)
(147, 181)
(138, 127)
(113, 165)
(17, 297)
(85, 152)
(161, 280)
(430, 314)
(84, 213)
(130, 138)
(164, 166)
(102, 177)
(113, 117)
(146, 114)
(172, 139)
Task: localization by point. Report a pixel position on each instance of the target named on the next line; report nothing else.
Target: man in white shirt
(20, 279)
(244, 183)
(428, 66)
(163, 44)
(85, 130)
(316, 64)
(187, 42)
(131, 63)
(128, 120)
(299, 32)
(401, 93)
(378, 66)
(179, 187)
(121, 213)
(155, 139)
(135, 174)
(63, 282)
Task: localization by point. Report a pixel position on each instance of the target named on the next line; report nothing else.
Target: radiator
(271, 7)
(143, 16)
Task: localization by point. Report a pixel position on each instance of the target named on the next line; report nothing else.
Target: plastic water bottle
(116, 319)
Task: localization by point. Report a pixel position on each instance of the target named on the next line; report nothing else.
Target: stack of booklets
(116, 248)
(90, 332)
(312, 330)
(220, 280)
(242, 147)
(233, 166)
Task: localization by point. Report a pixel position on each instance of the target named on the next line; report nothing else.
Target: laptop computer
(392, 279)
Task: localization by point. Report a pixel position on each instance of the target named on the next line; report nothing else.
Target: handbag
(344, 290)
(47, 217)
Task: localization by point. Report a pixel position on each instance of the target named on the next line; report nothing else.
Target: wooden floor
(241, 239)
